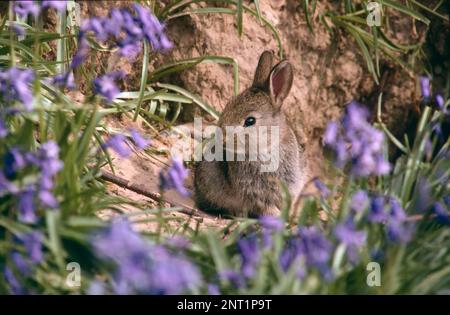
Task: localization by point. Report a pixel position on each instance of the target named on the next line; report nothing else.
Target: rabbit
(236, 187)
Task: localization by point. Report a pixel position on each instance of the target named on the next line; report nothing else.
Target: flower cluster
(15, 85)
(44, 164)
(32, 243)
(105, 85)
(25, 8)
(128, 31)
(355, 141)
(123, 29)
(174, 177)
(384, 210)
(141, 266)
(354, 239)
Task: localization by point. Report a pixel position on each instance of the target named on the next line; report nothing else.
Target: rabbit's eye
(249, 121)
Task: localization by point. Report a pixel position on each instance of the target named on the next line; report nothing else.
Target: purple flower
(152, 28)
(331, 133)
(425, 86)
(397, 213)
(3, 130)
(138, 140)
(128, 31)
(233, 277)
(271, 223)
(18, 29)
(48, 199)
(360, 201)
(440, 102)
(33, 245)
(15, 85)
(352, 238)
(323, 189)
(24, 8)
(59, 5)
(13, 161)
(441, 212)
(400, 231)
(377, 213)
(174, 178)
(250, 253)
(64, 80)
(357, 142)
(213, 289)
(118, 144)
(141, 266)
(308, 247)
(315, 246)
(6, 186)
(26, 205)
(347, 233)
(106, 86)
(20, 263)
(14, 284)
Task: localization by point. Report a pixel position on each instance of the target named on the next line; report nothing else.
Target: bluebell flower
(27, 206)
(377, 213)
(128, 31)
(425, 87)
(96, 288)
(20, 263)
(15, 85)
(271, 223)
(24, 8)
(13, 162)
(64, 80)
(331, 133)
(232, 276)
(250, 253)
(315, 246)
(18, 29)
(3, 130)
(346, 233)
(6, 186)
(138, 140)
(106, 86)
(400, 231)
(440, 102)
(213, 289)
(174, 177)
(59, 5)
(354, 239)
(141, 266)
(33, 245)
(119, 145)
(360, 201)
(322, 188)
(387, 210)
(442, 214)
(14, 284)
(356, 142)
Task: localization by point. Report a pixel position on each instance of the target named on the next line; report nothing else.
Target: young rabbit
(240, 187)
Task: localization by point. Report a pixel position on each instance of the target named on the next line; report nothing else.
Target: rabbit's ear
(280, 82)
(263, 69)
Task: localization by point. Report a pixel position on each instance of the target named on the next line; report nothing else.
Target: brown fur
(238, 187)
